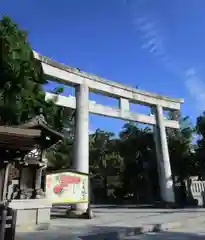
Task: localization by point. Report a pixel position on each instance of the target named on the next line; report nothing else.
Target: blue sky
(156, 45)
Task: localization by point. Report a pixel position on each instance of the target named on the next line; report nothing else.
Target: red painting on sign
(64, 181)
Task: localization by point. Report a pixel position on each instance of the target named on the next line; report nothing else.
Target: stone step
(60, 210)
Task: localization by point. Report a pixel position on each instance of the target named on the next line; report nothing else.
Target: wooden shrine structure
(22, 163)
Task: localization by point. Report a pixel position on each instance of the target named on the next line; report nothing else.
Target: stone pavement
(193, 231)
(168, 236)
(119, 223)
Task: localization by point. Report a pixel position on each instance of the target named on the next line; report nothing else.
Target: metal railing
(7, 222)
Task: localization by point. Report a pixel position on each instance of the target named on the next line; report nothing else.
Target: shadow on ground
(106, 233)
(171, 236)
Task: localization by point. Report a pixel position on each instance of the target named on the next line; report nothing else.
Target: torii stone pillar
(81, 143)
(163, 161)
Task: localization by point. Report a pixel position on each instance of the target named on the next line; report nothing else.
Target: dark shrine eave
(39, 123)
(24, 137)
(49, 136)
(18, 139)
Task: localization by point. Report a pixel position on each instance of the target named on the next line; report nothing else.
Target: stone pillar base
(81, 214)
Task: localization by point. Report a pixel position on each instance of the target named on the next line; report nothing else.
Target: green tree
(181, 150)
(200, 144)
(21, 89)
(138, 151)
(60, 156)
(21, 93)
(105, 162)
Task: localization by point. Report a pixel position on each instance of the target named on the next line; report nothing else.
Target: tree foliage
(181, 150)
(21, 93)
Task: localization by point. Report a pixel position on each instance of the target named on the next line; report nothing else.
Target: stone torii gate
(85, 83)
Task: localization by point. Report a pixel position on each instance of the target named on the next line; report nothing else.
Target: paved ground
(190, 232)
(117, 222)
(168, 236)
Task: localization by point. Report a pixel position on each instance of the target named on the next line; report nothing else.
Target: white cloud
(92, 129)
(153, 42)
(150, 34)
(195, 86)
